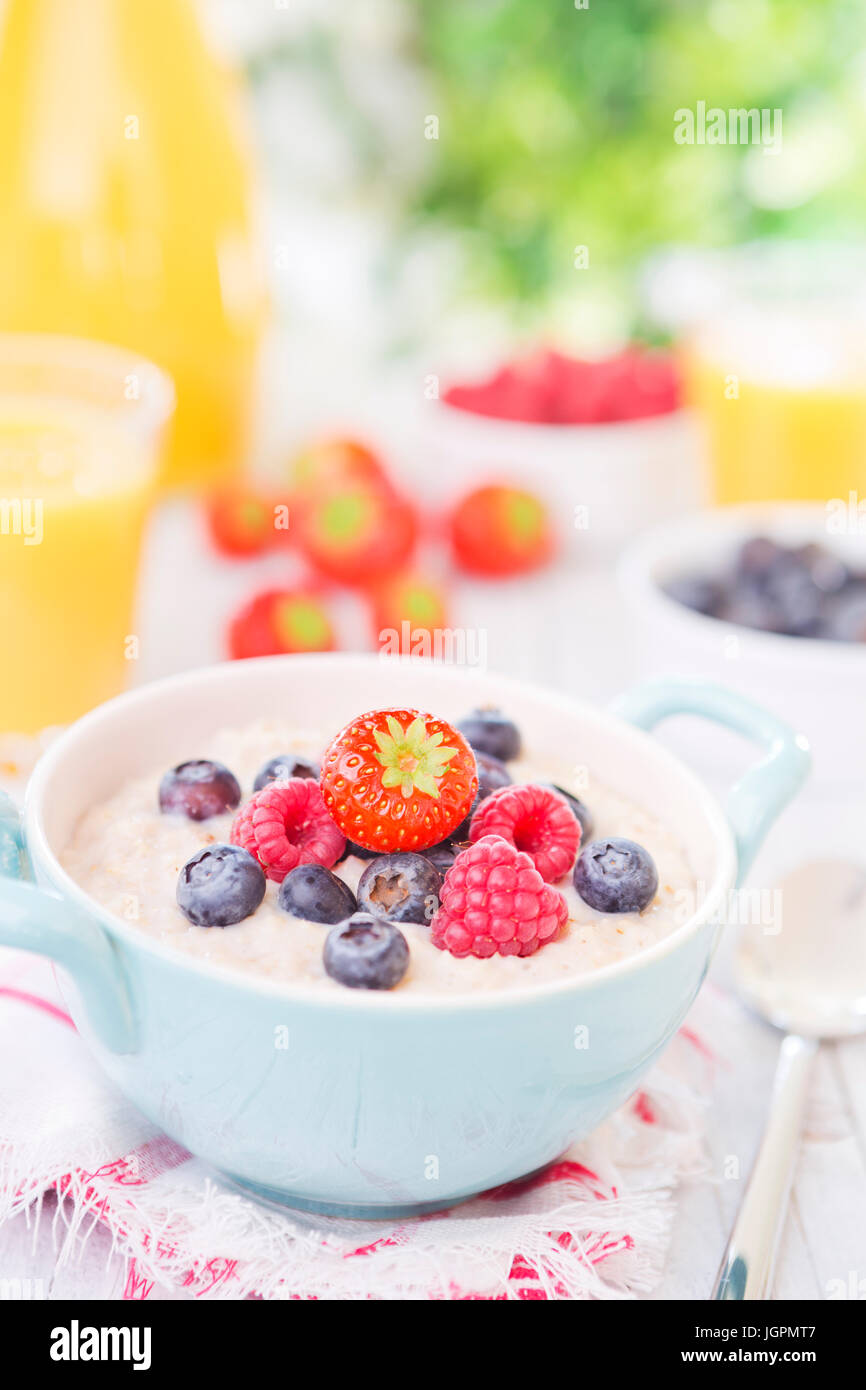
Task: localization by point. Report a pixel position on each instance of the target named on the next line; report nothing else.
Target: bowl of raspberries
(607, 442)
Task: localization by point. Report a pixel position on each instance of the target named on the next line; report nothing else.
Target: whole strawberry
(398, 779)
(333, 462)
(240, 521)
(498, 531)
(408, 610)
(357, 534)
(278, 621)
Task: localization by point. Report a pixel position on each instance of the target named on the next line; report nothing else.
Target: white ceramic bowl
(603, 483)
(818, 686)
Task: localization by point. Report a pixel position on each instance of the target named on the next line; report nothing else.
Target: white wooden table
(566, 629)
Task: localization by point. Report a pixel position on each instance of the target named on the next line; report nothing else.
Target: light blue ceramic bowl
(381, 1103)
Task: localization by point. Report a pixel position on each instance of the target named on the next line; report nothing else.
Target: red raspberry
(286, 824)
(493, 899)
(534, 819)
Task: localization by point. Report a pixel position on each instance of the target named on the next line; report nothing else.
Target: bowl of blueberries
(770, 599)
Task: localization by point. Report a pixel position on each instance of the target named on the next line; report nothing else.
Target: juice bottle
(125, 205)
(79, 434)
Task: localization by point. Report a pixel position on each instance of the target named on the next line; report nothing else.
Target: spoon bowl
(805, 974)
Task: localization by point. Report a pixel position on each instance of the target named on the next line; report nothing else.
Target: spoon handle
(746, 1270)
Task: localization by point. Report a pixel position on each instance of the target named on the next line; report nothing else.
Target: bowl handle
(756, 800)
(32, 919)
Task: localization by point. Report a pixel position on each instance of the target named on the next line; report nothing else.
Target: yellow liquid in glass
(785, 413)
(125, 205)
(74, 492)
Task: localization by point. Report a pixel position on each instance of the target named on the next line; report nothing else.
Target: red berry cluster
(401, 780)
(552, 389)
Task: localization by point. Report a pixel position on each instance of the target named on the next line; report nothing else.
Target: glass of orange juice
(81, 429)
(783, 399)
(777, 372)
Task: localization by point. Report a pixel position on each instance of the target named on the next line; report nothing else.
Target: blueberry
(462, 831)
(492, 774)
(219, 886)
(281, 768)
(366, 952)
(401, 887)
(313, 892)
(799, 601)
(695, 591)
(581, 813)
(360, 851)
(488, 731)
(749, 608)
(616, 876)
(847, 619)
(794, 590)
(757, 557)
(827, 571)
(199, 790)
(443, 856)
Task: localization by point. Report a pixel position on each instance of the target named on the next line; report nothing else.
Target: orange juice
(783, 400)
(125, 205)
(76, 477)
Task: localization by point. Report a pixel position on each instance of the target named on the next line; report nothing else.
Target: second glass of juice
(81, 430)
(783, 399)
(775, 365)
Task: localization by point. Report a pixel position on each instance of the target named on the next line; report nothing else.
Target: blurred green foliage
(556, 129)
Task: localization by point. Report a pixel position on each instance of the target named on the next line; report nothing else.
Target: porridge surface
(127, 855)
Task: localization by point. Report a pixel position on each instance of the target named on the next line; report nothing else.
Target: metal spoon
(807, 976)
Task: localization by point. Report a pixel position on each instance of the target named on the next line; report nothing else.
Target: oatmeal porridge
(128, 854)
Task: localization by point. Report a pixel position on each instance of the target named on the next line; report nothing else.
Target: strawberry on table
(497, 531)
(280, 621)
(240, 520)
(408, 609)
(357, 534)
(335, 462)
(398, 779)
